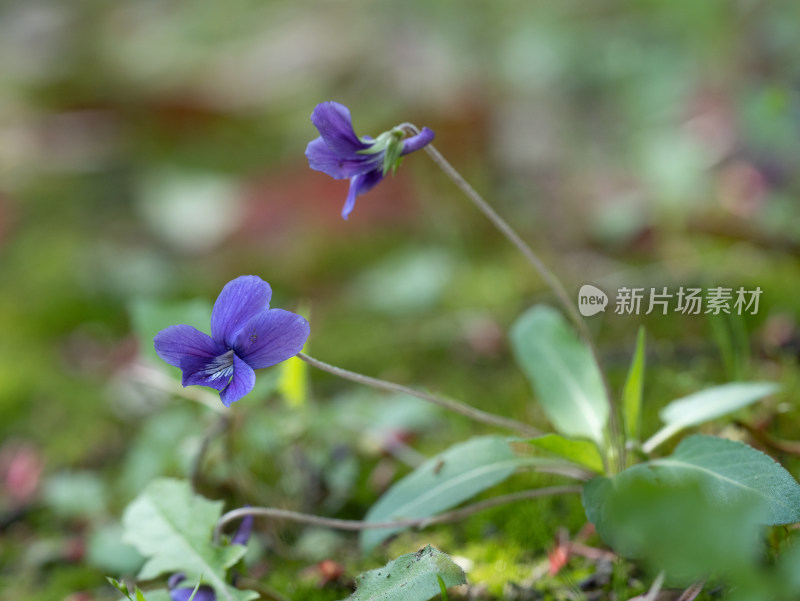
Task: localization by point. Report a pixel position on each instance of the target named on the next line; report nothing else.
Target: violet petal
(322, 158)
(214, 371)
(204, 593)
(176, 342)
(238, 302)
(244, 378)
(271, 337)
(359, 185)
(336, 128)
(414, 143)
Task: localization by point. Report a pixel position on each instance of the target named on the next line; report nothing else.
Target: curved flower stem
(357, 525)
(507, 231)
(455, 406)
(548, 276)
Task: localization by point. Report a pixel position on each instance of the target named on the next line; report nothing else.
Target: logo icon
(591, 300)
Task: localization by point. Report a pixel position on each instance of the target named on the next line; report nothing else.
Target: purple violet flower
(184, 593)
(340, 153)
(245, 335)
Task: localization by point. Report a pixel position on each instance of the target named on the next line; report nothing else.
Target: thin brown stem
(358, 525)
(455, 406)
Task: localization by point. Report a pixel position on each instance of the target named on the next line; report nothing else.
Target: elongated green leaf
(632, 392)
(442, 482)
(582, 452)
(172, 528)
(411, 577)
(707, 405)
(563, 374)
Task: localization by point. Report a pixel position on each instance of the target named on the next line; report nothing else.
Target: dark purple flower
(245, 335)
(340, 153)
(184, 593)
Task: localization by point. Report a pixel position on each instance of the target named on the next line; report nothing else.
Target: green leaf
(728, 472)
(411, 577)
(707, 405)
(442, 482)
(106, 551)
(674, 526)
(732, 469)
(632, 392)
(119, 585)
(582, 452)
(172, 528)
(293, 381)
(140, 595)
(563, 373)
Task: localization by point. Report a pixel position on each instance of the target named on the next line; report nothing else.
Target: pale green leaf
(563, 373)
(411, 577)
(707, 405)
(442, 482)
(172, 528)
(293, 381)
(632, 391)
(582, 452)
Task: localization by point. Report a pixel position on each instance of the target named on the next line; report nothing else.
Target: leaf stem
(455, 406)
(358, 525)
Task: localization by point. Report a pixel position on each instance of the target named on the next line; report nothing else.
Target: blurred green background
(151, 151)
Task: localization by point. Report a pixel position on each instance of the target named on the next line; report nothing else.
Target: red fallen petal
(558, 559)
(24, 466)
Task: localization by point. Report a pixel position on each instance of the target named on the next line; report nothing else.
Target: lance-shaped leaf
(411, 577)
(563, 373)
(707, 405)
(582, 452)
(632, 392)
(442, 482)
(172, 528)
